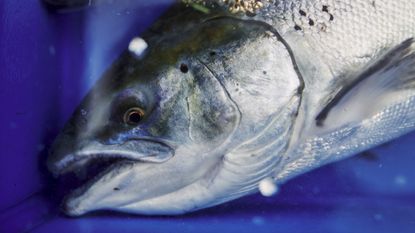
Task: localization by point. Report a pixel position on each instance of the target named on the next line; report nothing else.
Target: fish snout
(63, 150)
(61, 147)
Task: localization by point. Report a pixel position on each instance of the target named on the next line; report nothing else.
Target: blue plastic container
(49, 60)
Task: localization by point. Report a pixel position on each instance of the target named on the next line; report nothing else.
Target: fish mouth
(82, 163)
(79, 170)
(136, 150)
(89, 171)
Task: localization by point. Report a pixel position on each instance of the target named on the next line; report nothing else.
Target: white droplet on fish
(267, 187)
(137, 46)
(84, 112)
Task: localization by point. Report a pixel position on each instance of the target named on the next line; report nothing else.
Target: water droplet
(52, 50)
(84, 112)
(13, 125)
(400, 180)
(257, 220)
(137, 46)
(267, 187)
(378, 217)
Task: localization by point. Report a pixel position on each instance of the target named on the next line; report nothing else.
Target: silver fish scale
(333, 28)
(331, 40)
(384, 126)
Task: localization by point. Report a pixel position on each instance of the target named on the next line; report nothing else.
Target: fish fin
(378, 107)
(373, 89)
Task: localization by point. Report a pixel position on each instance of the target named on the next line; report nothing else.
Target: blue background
(49, 60)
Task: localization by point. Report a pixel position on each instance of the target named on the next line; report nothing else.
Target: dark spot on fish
(264, 72)
(250, 14)
(116, 189)
(369, 156)
(326, 9)
(323, 27)
(212, 53)
(184, 68)
(302, 13)
(374, 4)
(298, 28)
(311, 22)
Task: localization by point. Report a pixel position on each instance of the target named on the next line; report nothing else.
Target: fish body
(220, 102)
(333, 43)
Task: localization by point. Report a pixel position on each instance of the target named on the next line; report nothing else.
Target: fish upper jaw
(143, 150)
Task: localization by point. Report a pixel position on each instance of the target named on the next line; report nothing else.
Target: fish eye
(133, 116)
(184, 68)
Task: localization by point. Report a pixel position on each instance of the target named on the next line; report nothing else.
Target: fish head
(152, 126)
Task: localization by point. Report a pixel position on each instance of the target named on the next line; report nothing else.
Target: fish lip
(72, 161)
(71, 204)
(77, 160)
(75, 155)
(81, 159)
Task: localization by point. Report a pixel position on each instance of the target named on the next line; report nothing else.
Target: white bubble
(267, 187)
(258, 220)
(13, 125)
(378, 217)
(137, 46)
(52, 50)
(400, 180)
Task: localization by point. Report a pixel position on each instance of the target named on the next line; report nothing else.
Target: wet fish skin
(231, 100)
(343, 40)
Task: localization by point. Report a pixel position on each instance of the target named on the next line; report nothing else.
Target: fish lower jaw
(76, 202)
(71, 206)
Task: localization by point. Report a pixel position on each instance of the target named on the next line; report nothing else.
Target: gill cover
(220, 98)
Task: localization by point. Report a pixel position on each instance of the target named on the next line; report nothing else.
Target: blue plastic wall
(29, 95)
(49, 60)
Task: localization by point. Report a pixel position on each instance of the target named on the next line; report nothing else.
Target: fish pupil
(184, 68)
(134, 117)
